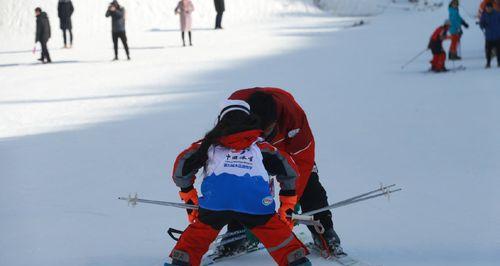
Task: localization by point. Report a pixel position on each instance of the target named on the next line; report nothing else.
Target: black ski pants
(45, 52)
(490, 45)
(218, 20)
(122, 36)
(70, 36)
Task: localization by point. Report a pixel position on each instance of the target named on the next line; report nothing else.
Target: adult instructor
(286, 127)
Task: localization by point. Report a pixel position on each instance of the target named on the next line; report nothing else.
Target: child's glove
(191, 197)
(286, 208)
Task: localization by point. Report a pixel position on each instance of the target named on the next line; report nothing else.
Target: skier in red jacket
(436, 46)
(285, 126)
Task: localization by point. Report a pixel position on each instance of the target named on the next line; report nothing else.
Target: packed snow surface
(78, 133)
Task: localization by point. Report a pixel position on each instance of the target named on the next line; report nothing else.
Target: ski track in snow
(77, 134)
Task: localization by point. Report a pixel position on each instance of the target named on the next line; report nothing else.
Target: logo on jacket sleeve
(267, 201)
(293, 133)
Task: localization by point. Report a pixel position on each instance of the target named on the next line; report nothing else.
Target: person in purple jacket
(490, 24)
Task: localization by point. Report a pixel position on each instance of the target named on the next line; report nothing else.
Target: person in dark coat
(490, 23)
(220, 8)
(64, 11)
(117, 14)
(43, 33)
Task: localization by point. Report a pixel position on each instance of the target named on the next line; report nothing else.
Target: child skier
(237, 164)
(436, 46)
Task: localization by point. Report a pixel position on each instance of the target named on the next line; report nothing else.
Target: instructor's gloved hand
(190, 197)
(286, 208)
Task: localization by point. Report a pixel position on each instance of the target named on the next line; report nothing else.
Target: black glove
(465, 24)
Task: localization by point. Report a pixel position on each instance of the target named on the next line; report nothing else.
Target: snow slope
(79, 133)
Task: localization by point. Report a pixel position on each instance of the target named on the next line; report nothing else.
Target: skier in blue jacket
(490, 23)
(455, 29)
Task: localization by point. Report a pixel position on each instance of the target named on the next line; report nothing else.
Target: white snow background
(78, 133)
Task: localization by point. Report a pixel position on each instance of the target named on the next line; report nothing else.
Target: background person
(117, 14)
(184, 9)
(456, 22)
(64, 11)
(43, 33)
(436, 46)
(490, 23)
(220, 7)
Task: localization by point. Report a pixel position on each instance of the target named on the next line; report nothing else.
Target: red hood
(241, 140)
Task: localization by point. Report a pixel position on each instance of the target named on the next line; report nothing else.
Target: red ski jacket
(294, 135)
(439, 34)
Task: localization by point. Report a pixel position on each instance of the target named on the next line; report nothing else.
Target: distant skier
(490, 23)
(117, 14)
(43, 34)
(436, 46)
(455, 29)
(64, 11)
(220, 7)
(284, 124)
(184, 9)
(237, 164)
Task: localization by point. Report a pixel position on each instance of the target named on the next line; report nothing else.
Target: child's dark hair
(263, 105)
(233, 122)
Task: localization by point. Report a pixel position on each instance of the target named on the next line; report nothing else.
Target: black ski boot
(329, 242)
(301, 262)
(454, 56)
(234, 247)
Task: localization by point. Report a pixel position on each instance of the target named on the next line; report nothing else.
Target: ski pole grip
(302, 217)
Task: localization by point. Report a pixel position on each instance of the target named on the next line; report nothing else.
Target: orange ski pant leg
(194, 243)
(455, 40)
(280, 241)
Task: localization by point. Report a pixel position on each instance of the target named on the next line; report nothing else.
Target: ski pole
(346, 202)
(414, 58)
(134, 200)
(382, 188)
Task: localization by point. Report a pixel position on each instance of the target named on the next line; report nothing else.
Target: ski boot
(329, 243)
(235, 247)
(179, 258)
(176, 263)
(298, 258)
(454, 56)
(301, 262)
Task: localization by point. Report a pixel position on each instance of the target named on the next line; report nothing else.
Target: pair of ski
(345, 260)
(449, 70)
(214, 256)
